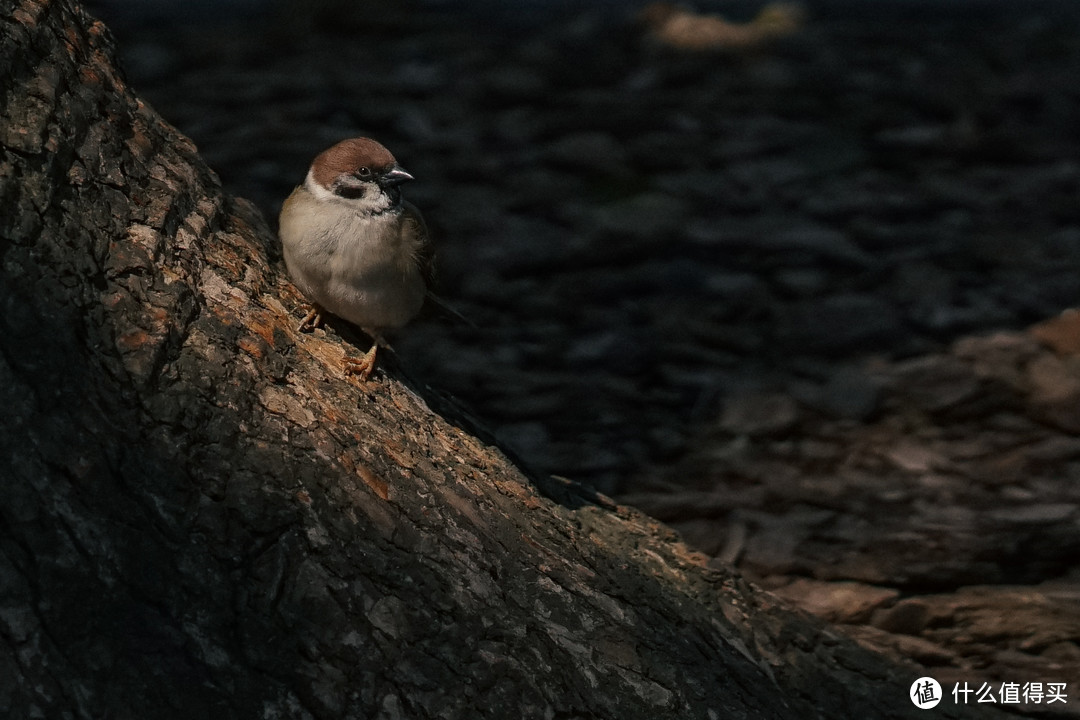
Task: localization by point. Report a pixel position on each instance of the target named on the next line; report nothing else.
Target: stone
(840, 602)
(780, 236)
(933, 383)
(851, 393)
(1036, 514)
(1053, 379)
(759, 414)
(595, 152)
(839, 324)
(646, 217)
(907, 617)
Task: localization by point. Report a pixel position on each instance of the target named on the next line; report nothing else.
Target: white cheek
(317, 190)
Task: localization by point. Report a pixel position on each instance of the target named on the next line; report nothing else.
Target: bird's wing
(416, 230)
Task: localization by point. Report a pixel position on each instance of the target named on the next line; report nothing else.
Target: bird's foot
(312, 320)
(361, 367)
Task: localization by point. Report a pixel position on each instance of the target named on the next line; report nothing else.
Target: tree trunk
(201, 517)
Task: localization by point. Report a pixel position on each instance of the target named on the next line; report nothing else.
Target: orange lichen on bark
(373, 481)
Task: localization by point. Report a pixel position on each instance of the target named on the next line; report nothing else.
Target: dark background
(641, 233)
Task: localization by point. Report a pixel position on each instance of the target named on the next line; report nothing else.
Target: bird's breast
(359, 267)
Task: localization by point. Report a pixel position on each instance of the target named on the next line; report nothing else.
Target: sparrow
(353, 247)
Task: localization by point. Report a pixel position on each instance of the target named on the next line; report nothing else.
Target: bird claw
(312, 320)
(361, 367)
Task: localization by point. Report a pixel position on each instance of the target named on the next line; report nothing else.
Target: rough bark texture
(202, 518)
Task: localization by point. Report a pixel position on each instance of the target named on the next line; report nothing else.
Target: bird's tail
(449, 309)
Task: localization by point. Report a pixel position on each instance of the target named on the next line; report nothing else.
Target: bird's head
(359, 172)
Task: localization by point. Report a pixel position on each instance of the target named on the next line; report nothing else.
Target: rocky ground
(780, 297)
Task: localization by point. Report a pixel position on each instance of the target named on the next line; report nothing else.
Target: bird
(354, 247)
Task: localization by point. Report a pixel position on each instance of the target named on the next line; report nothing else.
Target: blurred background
(764, 270)
(642, 229)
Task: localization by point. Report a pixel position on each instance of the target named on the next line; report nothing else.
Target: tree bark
(201, 517)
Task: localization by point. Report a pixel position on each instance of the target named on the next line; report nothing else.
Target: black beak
(394, 176)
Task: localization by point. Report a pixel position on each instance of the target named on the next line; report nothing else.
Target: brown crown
(347, 157)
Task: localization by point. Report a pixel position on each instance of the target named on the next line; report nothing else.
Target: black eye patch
(349, 191)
